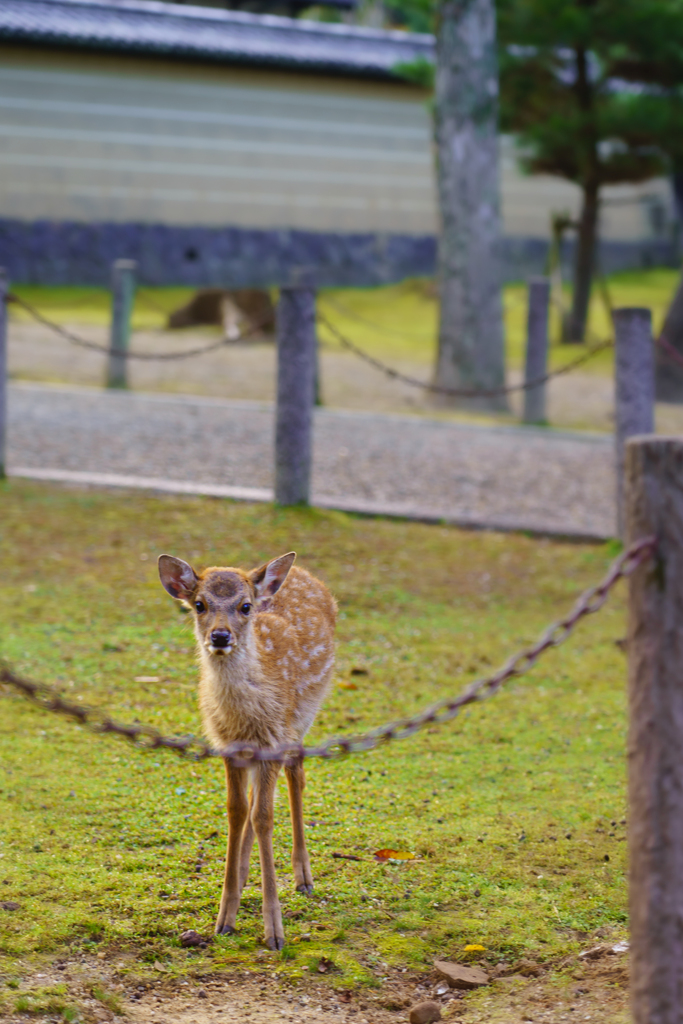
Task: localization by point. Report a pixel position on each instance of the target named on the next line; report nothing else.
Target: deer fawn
(265, 641)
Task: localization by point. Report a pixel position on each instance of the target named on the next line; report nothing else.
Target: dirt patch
(524, 991)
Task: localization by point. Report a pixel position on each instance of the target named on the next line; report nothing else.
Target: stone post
(4, 288)
(634, 388)
(296, 356)
(123, 295)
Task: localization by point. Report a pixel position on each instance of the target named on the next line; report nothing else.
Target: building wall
(630, 213)
(211, 174)
(86, 137)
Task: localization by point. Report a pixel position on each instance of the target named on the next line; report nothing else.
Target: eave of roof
(205, 33)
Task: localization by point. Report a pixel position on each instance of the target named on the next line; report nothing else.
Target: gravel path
(509, 477)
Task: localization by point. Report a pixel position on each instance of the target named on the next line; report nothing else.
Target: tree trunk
(669, 372)
(677, 192)
(584, 264)
(589, 164)
(677, 189)
(471, 351)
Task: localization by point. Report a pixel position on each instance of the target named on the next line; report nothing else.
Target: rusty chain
(505, 389)
(661, 342)
(245, 754)
(126, 353)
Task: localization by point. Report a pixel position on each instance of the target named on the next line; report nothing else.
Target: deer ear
(268, 579)
(177, 577)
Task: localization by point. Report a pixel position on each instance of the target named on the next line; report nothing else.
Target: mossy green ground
(515, 811)
(394, 321)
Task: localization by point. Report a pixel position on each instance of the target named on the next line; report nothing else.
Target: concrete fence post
(4, 289)
(122, 295)
(654, 506)
(296, 358)
(536, 350)
(634, 388)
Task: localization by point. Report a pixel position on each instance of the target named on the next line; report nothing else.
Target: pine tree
(574, 92)
(593, 92)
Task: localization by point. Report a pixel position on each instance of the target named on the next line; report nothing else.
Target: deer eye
(200, 606)
(246, 608)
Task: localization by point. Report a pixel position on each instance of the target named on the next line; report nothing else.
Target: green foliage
(108, 999)
(512, 809)
(562, 90)
(419, 71)
(46, 1001)
(415, 15)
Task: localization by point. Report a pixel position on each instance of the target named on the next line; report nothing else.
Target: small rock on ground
(459, 976)
(425, 1012)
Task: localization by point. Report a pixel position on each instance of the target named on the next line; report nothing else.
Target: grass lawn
(516, 811)
(391, 322)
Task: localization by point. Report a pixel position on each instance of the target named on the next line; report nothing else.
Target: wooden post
(536, 349)
(296, 344)
(654, 506)
(4, 288)
(634, 388)
(123, 294)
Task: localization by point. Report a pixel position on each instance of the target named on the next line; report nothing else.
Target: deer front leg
(262, 817)
(301, 865)
(247, 843)
(238, 810)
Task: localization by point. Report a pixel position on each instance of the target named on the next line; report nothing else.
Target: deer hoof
(225, 929)
(305, 889)
(276, 942)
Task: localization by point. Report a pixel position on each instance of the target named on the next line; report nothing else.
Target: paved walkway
(500, 477)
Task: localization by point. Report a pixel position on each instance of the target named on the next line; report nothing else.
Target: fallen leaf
(475, 948)
(381, 855)
(147, 679)
(160, 967)
(358, 671)
(325, 965)
(345, 856)
(347, 685)
(9, 905)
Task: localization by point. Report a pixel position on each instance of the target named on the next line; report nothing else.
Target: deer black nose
(220, 637)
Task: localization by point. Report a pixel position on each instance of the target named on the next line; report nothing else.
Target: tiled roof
(206, 33)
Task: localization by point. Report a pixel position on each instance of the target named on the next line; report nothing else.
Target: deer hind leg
(247, 843)
(238, 811)
(301, 865)
(265, 778)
